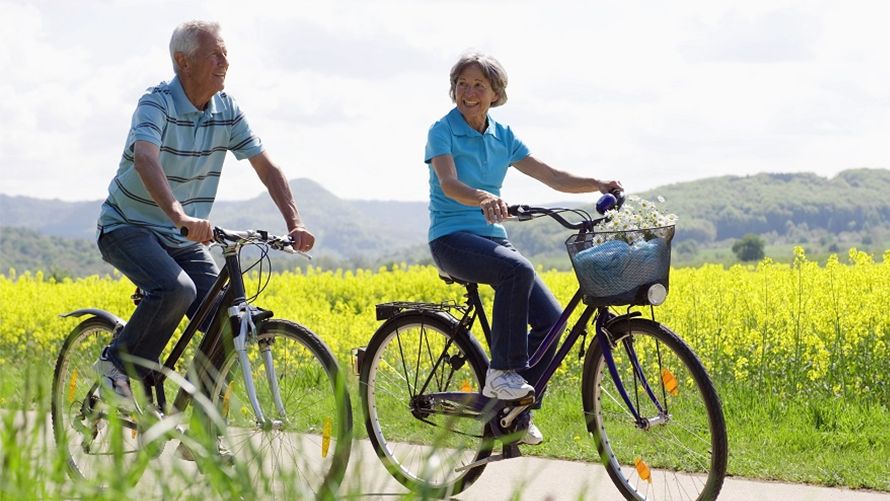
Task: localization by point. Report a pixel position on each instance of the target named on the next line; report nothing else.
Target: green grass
(811, 438)
(817, 440)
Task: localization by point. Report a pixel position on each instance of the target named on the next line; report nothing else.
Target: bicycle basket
(619, 267)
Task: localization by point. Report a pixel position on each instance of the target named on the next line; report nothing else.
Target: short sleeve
(243, 143)
(438, 141)
(518, 149)
(149, 121)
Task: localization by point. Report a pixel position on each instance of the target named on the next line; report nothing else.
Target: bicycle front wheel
(409, 358)
(679, 450)
(302, 449)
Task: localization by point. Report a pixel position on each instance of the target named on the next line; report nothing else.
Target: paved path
(548, 479)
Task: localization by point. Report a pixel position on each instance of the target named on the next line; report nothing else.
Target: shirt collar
(461, 128)
(182, 101)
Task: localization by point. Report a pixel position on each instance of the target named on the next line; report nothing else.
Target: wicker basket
(618, 268)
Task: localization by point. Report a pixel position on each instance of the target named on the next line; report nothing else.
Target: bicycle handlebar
(223, 237)
(611, 200)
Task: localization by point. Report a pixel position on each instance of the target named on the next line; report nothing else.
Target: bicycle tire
(422, 451)
(313, 442)
(647, 463)
(95, 443)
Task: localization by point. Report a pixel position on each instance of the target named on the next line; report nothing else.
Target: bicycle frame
(242, 320)
(603, 318)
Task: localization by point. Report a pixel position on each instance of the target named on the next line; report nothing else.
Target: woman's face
(473, 94)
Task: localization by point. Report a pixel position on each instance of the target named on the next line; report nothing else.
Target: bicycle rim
(95, 438)
(303, 453)
(422, 450)
(682, 457)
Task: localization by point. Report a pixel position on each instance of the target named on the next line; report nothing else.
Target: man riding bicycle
(167, 180)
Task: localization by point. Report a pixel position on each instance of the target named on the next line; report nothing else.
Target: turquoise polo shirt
(481, 161)
(193, 146)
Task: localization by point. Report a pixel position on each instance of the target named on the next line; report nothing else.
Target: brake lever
(286, 246)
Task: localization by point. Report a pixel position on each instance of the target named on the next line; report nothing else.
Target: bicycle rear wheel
(408, 358)
(681, 452)
(99, 440)
(301, 453)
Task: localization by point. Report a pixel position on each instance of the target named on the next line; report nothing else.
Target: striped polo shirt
(193, 145)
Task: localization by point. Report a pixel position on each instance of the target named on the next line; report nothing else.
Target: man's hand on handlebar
(302, 239)
(196, 230)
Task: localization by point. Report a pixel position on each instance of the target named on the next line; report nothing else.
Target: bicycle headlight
(656, 294)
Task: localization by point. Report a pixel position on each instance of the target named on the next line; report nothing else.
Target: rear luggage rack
(385, 311)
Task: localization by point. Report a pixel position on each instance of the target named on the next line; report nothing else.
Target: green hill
(824, 215)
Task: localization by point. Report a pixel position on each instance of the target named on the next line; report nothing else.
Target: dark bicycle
(648, 402)
(269, 390)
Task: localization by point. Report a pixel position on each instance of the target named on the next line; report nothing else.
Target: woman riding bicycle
(468, 153)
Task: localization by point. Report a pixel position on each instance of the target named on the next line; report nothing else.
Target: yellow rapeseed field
(787, 328)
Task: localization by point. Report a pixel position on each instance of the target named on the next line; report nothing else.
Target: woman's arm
(563, 181)
(494, 208)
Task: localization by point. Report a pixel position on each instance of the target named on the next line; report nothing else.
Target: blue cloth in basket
(600, 267)
(615, 269)
(647, 261)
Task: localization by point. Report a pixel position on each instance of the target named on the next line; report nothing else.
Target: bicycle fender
(114, 319)
(627, 316)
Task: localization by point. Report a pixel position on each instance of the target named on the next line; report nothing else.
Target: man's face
(208, 65)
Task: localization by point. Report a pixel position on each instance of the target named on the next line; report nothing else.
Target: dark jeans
(521, 299)
(174, 281)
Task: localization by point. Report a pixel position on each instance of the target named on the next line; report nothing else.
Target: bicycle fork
(247, 332)
(605, 340)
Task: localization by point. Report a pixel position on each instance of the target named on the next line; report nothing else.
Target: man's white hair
(186, 38)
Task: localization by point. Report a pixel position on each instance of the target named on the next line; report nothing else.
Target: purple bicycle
(648, 402)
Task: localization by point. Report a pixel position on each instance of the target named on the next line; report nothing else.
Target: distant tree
(749, 248)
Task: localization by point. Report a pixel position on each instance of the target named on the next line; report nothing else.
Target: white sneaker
(113, 378)
(533, 435)
(506, 385)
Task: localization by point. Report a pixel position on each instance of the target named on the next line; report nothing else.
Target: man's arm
(273, 178)
(146, 161)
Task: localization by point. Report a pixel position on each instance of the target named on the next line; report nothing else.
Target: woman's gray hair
(491, 68)
(186, 38)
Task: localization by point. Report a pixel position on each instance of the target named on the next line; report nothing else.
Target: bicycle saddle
(448, 279)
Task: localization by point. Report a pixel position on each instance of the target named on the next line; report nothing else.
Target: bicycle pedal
(511, 451)
(508, 454)
(526, 400)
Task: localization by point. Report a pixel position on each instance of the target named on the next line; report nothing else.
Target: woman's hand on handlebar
(494, 208)
(196, 230)
(302, 239)
(609, 186)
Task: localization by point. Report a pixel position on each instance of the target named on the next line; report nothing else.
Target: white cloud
(343, 92)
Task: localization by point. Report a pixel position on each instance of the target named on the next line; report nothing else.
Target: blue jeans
(173, 280)
(521, 299)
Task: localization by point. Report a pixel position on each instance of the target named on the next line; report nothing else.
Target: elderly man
(167, 180)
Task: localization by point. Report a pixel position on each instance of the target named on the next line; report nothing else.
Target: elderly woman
(469, 153)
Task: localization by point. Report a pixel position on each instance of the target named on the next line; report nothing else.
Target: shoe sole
(491, 394)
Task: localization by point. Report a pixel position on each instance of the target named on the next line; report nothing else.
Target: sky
(344, 92)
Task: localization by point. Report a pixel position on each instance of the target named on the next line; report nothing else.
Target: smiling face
(473, 95)
(204, 72)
